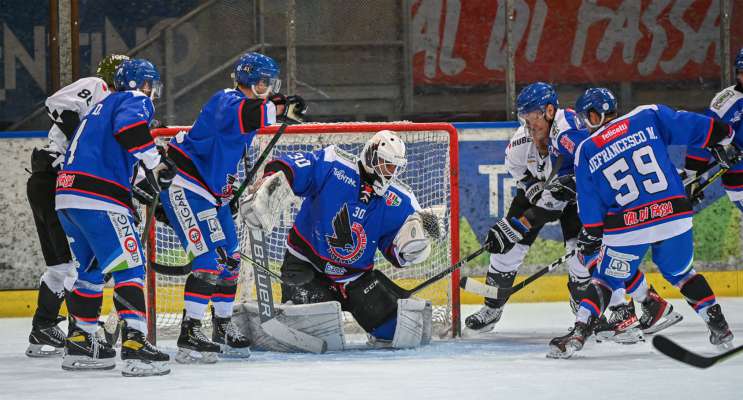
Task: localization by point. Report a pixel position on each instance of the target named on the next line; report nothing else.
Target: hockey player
(66, 108)
(532, 157)
(630, 199)
(207, 159)
(727, 106)
(351, 208)
(94, 204)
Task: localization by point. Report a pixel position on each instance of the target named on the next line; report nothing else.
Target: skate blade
(725, 346)
(227, 351)
(187, 356)
(85, 363)
(43, 351)
(630, 336)
(570, 349)
(669, 320)
(137, 368)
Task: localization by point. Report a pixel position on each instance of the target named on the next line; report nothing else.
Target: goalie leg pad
(372, 299)
(322, 320)
(413, 323)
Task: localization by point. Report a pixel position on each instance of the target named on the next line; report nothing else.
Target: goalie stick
(269, 323)
(673, 350)
(492, 292)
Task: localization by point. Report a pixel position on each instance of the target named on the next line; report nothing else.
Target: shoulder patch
(567, 143)
(722, 98)
(344, 154)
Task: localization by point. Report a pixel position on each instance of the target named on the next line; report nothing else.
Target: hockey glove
(411, 244)
(726, 155)
(533, 188)
(297, 108)
(563, 188)
(588, 244)
(693, 187)
(165, 172)
(504, 235)
(232, 264)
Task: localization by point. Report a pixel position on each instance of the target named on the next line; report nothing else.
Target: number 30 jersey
(627, 185)
(340, 224)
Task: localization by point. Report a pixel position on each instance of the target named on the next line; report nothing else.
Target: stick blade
(673, 350)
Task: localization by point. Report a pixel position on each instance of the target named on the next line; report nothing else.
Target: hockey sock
(499, 279)
(697, 292)
(637, 286)
(617, 297)
(84, 304)
(130, 304)
(199, 288)
(48, 305)
(596, 300)
(224, 297)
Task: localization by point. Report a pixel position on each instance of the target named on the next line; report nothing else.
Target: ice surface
(508, 364)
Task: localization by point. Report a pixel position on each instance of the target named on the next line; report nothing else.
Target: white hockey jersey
(79, 97)
(522, 156)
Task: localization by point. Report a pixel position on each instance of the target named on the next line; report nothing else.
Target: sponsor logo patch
(341, 176)
(127, 241)
(65, 180)
(215, 228)
(720, 100)
(331, 269)
(611, 133)
(619, 264)
(392, 199)
(187, 222)
(567, 143)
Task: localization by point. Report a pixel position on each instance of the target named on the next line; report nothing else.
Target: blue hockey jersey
(217, 141)
(99, 162)
(341, 224)
(565, 136)
(627, 186)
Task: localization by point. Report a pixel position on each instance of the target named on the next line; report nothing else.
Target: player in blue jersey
(727, 106)
(94, 204)
(207, 159)
(351, 208)
(630, 199)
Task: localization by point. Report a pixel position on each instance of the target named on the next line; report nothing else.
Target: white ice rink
(508, 364)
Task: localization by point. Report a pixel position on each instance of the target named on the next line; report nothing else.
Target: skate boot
(720, 334)
(46, 338)
(193, 345)
(657, 313)
(84, 352)
(485, 319)
(622, 327)
(229, 338)
(140, 357)
(565, 346)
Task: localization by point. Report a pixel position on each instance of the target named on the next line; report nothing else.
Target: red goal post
(432, 173)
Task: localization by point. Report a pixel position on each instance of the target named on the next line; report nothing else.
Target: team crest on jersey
(65, 180)
(392, 199)
(348, 241)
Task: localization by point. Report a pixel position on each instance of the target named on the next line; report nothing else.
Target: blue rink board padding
(485, 188)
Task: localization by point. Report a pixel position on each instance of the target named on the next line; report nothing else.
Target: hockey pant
(375, 310)
(617, 265)
(105, 242)
(202, 228)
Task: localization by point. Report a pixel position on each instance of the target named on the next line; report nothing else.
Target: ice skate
(720, 334)
(565, 346)
(621, 327)
(46, 339)
(229, 338)
(84, 352)
(193, 345)
(140, 357)
(484, 320)
(657, 313)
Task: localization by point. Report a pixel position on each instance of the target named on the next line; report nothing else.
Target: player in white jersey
(66, 108)
(531, 165)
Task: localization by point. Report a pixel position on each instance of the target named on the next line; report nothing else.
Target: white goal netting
(432, 159)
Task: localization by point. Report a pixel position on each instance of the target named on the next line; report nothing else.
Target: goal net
(431, 173)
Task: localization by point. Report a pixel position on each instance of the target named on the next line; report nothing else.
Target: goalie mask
(383, 157)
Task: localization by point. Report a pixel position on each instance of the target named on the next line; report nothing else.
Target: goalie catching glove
(265, 205)
(411, 245)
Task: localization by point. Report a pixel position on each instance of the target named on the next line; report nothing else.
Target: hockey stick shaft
(673, 350)
(471, 285)
(257, 165)
(428, 282)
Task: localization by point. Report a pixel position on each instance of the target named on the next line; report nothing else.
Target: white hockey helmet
(383, 156)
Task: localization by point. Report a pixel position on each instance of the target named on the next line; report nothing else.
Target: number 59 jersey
(628, 188)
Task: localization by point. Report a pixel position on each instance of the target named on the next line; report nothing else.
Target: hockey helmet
(383, 156)
(599, 100)
(254, 68)
(138, 74)
(107, 67)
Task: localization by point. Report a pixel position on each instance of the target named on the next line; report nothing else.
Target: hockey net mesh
(429, 175)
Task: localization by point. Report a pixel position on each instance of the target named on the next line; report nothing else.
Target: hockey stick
(428, 282)
(269, 323)
(257, 165)
(471, 285)
(673, 350)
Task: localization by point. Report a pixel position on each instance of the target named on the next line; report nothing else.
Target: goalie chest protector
(335, 228)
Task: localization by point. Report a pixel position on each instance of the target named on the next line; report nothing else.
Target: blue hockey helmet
(739, 61)
(138, 74)
(597, 99)
(536, 96)
(254, 68)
